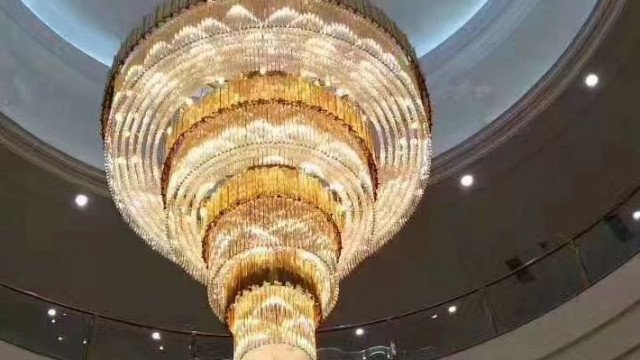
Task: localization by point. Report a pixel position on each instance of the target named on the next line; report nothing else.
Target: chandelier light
(268, 147)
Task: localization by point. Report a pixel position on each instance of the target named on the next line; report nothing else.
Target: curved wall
(603, 323)
(10, 352)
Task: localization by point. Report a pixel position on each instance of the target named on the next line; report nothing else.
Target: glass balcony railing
(529, 291)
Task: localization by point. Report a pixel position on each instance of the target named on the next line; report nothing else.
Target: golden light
(268, 147)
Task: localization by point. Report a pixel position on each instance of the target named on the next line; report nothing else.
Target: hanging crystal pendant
(268, 147)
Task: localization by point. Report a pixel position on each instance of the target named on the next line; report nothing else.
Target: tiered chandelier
(268, 147)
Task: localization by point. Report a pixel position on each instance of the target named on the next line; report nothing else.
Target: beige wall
(10, 352)
(601, 324)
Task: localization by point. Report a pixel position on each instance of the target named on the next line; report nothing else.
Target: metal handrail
(499, 279)
(427, 308)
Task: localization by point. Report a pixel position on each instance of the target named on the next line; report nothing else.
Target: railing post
(393, 349)
(88, 348)
(193, 349)
(488, 309)
(586, 282)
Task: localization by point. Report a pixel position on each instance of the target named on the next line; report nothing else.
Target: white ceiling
(97, 27)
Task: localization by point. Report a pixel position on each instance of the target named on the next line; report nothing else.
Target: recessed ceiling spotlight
(636, 215)
(52, 312)
(434, 316)
(592, 80)
(161, 347)
(82, 200)
(60, 338)
(156, 336)
(452, 309)
(53, 321)
(359, 331)
(467, 180)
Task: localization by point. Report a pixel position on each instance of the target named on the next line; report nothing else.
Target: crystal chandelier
(268, 147)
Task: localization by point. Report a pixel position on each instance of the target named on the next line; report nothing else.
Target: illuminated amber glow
(268, 147)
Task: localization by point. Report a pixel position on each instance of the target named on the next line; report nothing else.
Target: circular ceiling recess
(98, 27)
(480, 56)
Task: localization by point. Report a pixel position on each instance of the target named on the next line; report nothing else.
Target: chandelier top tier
(268, 147)
(176, 8)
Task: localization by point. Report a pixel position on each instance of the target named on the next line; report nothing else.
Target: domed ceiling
(480, 58)
(98, 27)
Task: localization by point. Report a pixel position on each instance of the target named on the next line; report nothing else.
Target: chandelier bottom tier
(268, 147)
